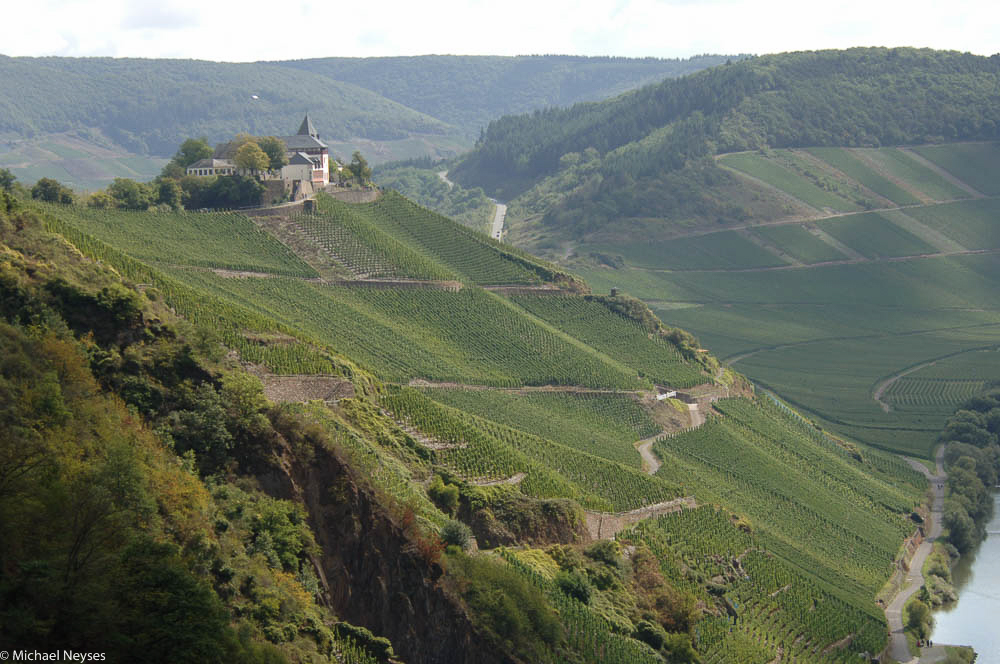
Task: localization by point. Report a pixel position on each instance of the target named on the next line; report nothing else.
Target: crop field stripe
(786, 180)
(797, 241)
(853, 167)
(874, 237)
(973, 163)
(916, 176)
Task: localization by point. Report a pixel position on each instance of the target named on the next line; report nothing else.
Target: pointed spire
(307, 128)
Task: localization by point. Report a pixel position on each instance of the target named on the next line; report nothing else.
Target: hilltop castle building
(308, 159)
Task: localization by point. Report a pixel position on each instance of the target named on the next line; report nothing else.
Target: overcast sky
(287, 29)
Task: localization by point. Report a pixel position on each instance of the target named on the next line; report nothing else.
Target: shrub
(456, 533)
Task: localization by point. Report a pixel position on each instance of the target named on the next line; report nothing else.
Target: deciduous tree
(251, 158)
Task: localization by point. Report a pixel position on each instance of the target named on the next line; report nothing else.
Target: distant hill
(650, 142)
(390, 108)
(468, 91)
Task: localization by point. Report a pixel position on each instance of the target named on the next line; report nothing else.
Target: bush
(574, 584)
(456, 533)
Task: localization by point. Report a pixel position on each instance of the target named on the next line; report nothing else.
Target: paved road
(498, 216)
(898, 649)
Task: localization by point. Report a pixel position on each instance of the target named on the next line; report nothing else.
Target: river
(973, 620)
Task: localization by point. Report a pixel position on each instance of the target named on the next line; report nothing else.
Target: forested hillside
(663, 133)
(292, 427)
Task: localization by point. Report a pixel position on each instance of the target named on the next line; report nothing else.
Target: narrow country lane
(898, 649)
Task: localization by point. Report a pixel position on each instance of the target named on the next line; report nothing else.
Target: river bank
(976, 578)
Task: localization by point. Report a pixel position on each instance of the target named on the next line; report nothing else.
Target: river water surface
(975, 619)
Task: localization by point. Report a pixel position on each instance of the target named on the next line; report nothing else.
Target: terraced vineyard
(783, 171)
(810, 502)
(618, 337)
(776, 607)
(224, 240)
(920, 179)
(478, 448)
(829, 518)
(471, 336)
(924, 394)
(797, 241)
(364, 249)
(605, 425)
(946, 383)
(394, 231)
(723, 250)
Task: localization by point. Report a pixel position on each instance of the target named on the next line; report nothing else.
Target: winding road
(898, 648)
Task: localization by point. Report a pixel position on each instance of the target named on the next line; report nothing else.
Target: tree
(250, 157)
(101, 200)
(169, 192)
(51, 191)
(359, 168)
(276, 151)
(7, 180)
(919, 619)
(130, 195)
(192, 150)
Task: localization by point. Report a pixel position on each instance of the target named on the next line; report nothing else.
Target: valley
(674, 400)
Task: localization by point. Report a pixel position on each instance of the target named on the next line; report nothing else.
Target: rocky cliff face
(375, 572)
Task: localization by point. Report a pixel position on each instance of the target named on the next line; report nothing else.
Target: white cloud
(265, 30)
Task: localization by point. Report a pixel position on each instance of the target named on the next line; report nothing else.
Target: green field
(794, 183)
(724, 250)
(798, 242)
(824, 337)
(847, 163)
(973, 224)
(873, 236)
(972, 163)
